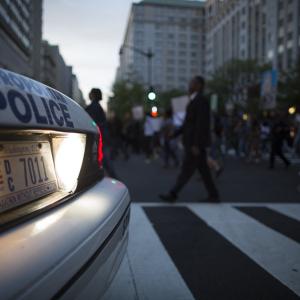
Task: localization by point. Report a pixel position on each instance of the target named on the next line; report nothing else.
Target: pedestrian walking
(97, 113)
(196, 138)
(167, 131)
(254, 142)
(215, 155)
(278, 135)
(149, 132)
(265, 136)
(296, 144)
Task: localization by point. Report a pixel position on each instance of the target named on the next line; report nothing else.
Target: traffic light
(151, 94)
(154, 111)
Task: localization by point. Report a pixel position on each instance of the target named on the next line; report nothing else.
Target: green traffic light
(151, 96)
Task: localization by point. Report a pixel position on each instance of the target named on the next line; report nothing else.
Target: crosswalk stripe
(279, 222)
(148, 272)
(277, 254)
(290, 210)
(152, 272)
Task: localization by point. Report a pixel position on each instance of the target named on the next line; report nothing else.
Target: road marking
(279, 222)
(152, 272)
(212, 266)
(277, 254)
(290, 210)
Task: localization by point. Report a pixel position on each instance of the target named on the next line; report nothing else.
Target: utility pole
(149, 54)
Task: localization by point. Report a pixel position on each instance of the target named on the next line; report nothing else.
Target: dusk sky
(89, 34)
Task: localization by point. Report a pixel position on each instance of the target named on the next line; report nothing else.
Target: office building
(56, 74)
(267, 31)
(173, 31)
(20, 36)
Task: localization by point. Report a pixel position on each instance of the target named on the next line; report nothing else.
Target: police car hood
(26, 103)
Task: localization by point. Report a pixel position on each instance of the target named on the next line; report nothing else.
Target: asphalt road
(240, 182)
(210, 251)
(246, 247)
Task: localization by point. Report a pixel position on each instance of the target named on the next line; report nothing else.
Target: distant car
(63, 225)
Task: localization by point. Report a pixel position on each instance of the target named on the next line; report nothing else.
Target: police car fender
(27, 103)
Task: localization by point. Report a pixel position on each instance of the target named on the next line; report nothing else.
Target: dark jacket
(196, 127)
(279, 133)
(97, 113)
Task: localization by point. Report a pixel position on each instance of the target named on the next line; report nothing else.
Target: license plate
(26, 173)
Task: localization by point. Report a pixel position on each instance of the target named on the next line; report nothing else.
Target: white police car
(63, 225)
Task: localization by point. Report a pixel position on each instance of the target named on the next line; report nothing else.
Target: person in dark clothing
(167, 131)
(196, 138)
(97, 113)
(278, 135)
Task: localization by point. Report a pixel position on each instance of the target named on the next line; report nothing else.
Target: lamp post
(149, 54)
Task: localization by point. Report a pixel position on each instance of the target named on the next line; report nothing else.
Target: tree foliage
(289, 87)
(129, 94)
(234, 78)
(125, 96)
(164, 98)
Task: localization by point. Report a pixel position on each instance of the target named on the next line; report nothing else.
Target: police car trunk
(63, 225)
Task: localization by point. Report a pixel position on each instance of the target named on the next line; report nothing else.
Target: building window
(182, 62)
(170, 78)
(280, 48)
(290, 17)
(289, 58)
(182, 37)
(182, 79)
(280, 5)
(182, 71)
(171, 52)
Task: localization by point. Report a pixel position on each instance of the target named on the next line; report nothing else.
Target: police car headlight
(68, 154)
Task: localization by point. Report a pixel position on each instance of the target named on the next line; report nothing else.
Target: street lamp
(292, 110)
(149, 54)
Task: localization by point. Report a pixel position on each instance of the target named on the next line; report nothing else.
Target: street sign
(137, 113)
(214, 102)
(269, 89)
(179, 105)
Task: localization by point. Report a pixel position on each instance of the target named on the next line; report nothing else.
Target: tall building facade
(55, 72)
(173, 30)
(267, 31)
(58, 75)
(21, 36)
(76, 92)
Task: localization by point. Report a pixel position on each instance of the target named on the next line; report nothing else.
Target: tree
(289, 88)
(125, 96)
(164, 98)
(129, 94)
(236, 78)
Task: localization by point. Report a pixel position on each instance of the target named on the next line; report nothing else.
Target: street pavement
(240, 182)
(246, 247)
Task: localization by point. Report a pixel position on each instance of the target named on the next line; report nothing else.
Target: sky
(89, 34)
